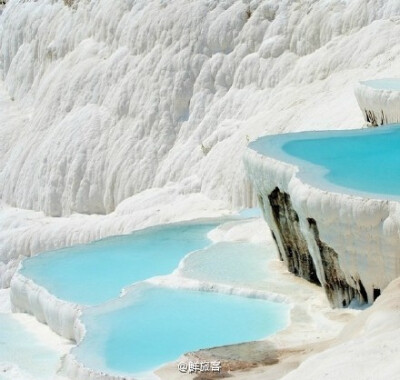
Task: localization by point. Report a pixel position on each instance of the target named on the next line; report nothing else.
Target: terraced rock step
(331, 200)
(379, 100)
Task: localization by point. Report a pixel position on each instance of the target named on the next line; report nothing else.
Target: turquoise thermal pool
(390, 84)
(97, 272)
(363, 162)
(153, 325)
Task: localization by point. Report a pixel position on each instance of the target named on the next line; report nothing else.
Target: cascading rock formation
(346, 241)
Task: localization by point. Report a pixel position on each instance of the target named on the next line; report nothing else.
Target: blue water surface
(93, 273)
(150, 325)
(153, 325)
(241, 264)
(366, 161)
(247, 213)
(391, 84)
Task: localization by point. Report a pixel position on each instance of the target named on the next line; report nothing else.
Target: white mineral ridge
(380, 103)
(364, 232)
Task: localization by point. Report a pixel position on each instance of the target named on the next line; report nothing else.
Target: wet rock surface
(295, 252)
(338, 291)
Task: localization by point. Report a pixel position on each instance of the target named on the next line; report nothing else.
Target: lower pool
(153, 325)
(97, 272)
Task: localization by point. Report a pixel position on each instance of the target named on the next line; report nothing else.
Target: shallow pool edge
(61, 316)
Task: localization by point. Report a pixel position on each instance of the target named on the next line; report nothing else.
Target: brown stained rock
(298, 258)
(237, 357)
(372, 118)
(296, 252)
(337, 289)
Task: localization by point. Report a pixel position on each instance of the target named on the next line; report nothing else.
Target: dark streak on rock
(338, 290)
(363, 293)
(373, 119)
(276, 242)
(377, 293)
(294, 250)
(296, 254)
(383, 118)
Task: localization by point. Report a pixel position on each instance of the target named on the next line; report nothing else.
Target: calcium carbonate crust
(61, 316)
(77, 371)
(379, 106)
(364, 233)
(367, 348)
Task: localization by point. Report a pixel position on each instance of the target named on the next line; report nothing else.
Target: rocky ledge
(348, 244)
(379, 101)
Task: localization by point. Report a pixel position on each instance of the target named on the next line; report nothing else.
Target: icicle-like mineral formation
(379, 101)
(346, 241)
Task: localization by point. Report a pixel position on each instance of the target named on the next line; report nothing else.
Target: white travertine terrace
(61, 316)
(379, 100)
(363, 232)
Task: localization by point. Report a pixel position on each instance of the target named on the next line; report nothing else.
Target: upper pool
(362, 162)
(151, 326)
(93, 273)
(390, 84)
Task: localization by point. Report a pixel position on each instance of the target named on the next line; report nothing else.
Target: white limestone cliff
(61, 316)
(347, 243)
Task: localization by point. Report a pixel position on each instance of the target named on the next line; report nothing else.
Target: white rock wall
(365, 233)
(61, 316)
(379, 106)
(367, 349)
